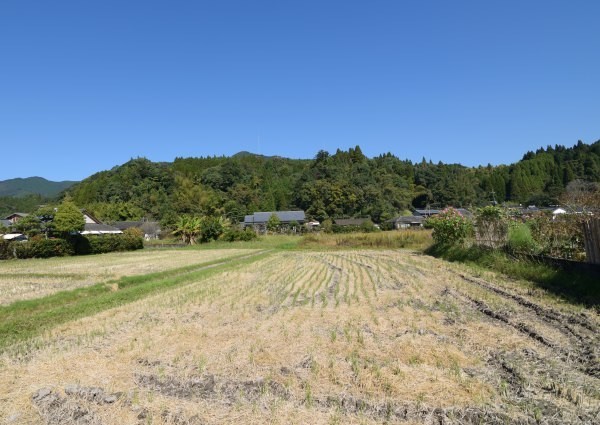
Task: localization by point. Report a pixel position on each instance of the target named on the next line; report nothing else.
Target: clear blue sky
(87, 85)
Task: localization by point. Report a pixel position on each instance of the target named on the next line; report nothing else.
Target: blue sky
(87, 85)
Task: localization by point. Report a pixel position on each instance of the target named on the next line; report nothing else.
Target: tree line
(331, 185)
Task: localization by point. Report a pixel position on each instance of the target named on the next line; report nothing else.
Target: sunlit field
(34, 278)
(309, 337)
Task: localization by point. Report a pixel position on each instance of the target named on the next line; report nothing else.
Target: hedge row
(76, 245)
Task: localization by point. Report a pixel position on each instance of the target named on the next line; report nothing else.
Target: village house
(150, 229)
(14, 217)
(258, 221)
(407, 222)
(93, 226)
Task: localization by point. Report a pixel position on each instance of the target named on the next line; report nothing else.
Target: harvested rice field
(308, 337)
(27, 279)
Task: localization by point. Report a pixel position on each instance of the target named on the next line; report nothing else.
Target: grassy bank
(573, 286)
(409, 239)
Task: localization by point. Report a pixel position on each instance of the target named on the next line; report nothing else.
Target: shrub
(84, 245)
(520, 239)
(450, 227)
(211, 228)
(43, 248)
(6, 250)
(133, 232)
(491, 227)
(560, 236)
(235, 234)
(112, 243)
(327, 226)
(368, 226)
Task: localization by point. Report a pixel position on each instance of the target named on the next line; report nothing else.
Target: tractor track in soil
(582, 334)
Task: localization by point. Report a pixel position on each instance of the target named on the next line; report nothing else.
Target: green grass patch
(23, 320)
(576, 287)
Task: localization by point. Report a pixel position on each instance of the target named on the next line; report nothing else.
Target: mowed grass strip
(23, 320)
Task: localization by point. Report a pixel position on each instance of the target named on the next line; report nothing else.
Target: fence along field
(359, 337)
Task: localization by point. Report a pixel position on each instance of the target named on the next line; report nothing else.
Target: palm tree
(189, 227)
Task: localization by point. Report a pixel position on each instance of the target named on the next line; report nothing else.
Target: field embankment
(407, 239)
(353, 336)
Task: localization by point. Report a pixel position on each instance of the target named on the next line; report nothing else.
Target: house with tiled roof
(407, 221)
(14, 217)
(258, 220)
(93, 226)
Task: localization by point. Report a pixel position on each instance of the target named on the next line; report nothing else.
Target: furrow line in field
(548, 313)
(586, 343)
(585, 360)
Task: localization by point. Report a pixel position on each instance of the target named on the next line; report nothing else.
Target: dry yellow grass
(34, 278)
(358, 337)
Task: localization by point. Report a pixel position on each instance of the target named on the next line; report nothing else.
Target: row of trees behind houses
(343, 184)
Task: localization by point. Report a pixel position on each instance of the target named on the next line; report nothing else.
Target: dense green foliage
(520, 239)
(84, 245)
(193, 229)
(68, 218)
(29, 203)
(343, 184)
(558, 236)
(450, 227)
(73, 245)
(43, 248)
(233, 234)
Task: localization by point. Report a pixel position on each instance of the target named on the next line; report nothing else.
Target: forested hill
(343, 184)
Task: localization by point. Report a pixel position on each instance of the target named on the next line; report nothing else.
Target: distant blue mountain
(33, 186)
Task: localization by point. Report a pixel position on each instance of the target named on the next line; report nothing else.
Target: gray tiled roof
(94, 227)
(5, 223)
(122, 225)
(427, 212)
(411, 219)
(284, 217)
(20, 214)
